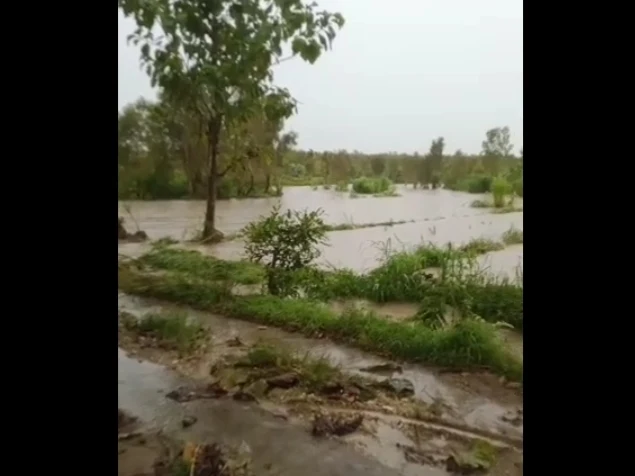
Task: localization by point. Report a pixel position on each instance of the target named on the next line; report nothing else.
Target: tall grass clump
(373, 186)
(341, 186)
(501, 189)
(513, 236)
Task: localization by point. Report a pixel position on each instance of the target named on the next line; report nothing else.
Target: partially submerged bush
(372, 186)
(285, 243)
(501, 189)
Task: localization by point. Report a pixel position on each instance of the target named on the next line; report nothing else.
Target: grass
(468, 343)
(513, 236)
(207, 267)
(172, 330)
(313, 373)
(403, 276)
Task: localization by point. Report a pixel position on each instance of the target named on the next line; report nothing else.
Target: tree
(378, 165)
(496, 147)
(216, 56)
(435, 158)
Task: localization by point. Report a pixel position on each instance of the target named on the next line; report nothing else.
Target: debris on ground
(285, 381)
(215, 460)
(335, 424)
(514, 417)
(188, 421)
(401, 387)
(418, 456)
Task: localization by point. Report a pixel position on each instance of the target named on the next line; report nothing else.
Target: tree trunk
(213, 134)
(267, 182)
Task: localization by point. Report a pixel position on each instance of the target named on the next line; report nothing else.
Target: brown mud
(406, 417)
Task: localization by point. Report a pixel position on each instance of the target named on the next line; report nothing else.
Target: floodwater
(438, 216)
(483, 410)
(275, 447)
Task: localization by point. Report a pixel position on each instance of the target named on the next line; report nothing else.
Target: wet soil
(465, 407)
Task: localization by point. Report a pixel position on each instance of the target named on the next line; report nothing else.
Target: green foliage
(467, 343)
(208, 267)
(496, 147)
(283, 243)
(501, 189)
(216, 59)
(171, 329)
(372, 186)
(475, 184)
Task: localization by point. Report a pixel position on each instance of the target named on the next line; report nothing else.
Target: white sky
(400, 74)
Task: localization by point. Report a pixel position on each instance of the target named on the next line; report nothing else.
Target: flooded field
(439, 216)
(333, 407)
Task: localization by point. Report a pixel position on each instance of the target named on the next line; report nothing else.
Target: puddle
(481, 406)
(276, 447)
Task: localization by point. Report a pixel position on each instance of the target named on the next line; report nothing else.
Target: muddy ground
(401, 417)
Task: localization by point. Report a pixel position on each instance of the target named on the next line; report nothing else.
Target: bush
(372, 186)
(285, 243)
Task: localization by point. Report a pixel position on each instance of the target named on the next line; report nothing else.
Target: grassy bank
(468, 343)
(449, 274)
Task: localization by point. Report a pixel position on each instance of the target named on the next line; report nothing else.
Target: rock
(288, 380)
(188, 421)
(399, 386)
(514, 385)
(262, 328)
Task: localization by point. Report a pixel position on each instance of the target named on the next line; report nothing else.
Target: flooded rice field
(438, 216)
(277, 438)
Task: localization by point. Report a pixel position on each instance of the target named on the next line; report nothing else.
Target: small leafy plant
(285, 242)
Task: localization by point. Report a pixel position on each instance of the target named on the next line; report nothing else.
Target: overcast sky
(401, 73)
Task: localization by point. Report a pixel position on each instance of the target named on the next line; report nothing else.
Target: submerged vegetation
(170, 330)
(460, 305)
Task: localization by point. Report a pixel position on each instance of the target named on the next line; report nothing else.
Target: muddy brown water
(275, 447)
(483, 407)
(440, 216)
